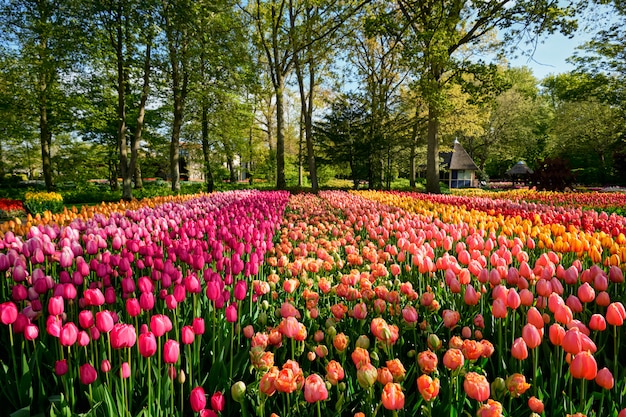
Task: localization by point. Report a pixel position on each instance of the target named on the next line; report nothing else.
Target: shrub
(38, 202)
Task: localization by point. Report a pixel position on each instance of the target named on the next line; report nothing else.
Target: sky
(551, 55)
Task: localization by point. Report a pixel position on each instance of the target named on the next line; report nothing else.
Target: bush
(38, 202)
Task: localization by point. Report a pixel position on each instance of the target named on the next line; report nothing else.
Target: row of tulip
(361, 304)
(110, 292)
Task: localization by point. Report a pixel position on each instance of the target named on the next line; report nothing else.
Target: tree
(441, 29)
(45, 36)
(126, 33)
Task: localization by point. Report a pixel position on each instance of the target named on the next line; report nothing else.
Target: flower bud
(238, 391)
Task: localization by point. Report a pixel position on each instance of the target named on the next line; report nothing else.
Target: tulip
(218, 401)
(535, 405)
(366, 375)
(8, 313)
(340, 342)
(60, 367)
(453, 359)
(604, 378)
(516, 385)
(519, 349)
(597, 322)
(490, 409)
(238, 391)
(428, 387)
(397, 370)
(104, 321)
(360, 357)
(56, 305)
(171, 351)
(427, 361)
(125, 371)
(315, 389)
(198, 326)
(615, 314)
(267, 384)
(197, 399)
(583, 366)
(476, 386)
(147, 344)
(31, 332)
(188, 335)
(334, 372)
(69, 334)
(231, 313)
(160, 324)
(531, 336)
(393, 397)
(105, 365)
(123, 336)
(88, 374)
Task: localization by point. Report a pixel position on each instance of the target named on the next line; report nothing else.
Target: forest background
(119, 94)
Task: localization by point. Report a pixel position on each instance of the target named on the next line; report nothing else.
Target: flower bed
(261, 303)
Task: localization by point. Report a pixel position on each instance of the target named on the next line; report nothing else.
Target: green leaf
(22, 412)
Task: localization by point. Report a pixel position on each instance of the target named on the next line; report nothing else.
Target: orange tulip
(428, 387)
(397, 370)
(531, 336)
(393, 397)
(535, 405)
(476, 386)
(427, 361)
(517, 385)
(491, 409)
(472, 349)
(340, 342)
(334, 372)
(360, 357)
(453, 359)
(384, 376)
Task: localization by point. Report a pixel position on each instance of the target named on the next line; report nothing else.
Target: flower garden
(342, 303)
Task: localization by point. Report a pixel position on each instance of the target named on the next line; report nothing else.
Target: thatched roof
(461, 160)
(519, 169)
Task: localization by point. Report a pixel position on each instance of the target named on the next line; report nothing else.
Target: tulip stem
(319, 409)
(535, 366)
(150, 387)
(582, 393)
(232, 337)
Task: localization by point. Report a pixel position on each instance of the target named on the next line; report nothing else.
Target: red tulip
(197, 399)
(231, 313)
(556, 333)
(604, 378)
(597, 322)
(218, 401)
(615, 314)
(584, 366)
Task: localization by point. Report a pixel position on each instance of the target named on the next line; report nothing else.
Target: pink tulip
(187, 335)
(147, 344)
(60, 367)
(8, 313)
(218, 401)
(171, 351)
(88, 374)
(104, 321)
(197, 399)
(69, 334)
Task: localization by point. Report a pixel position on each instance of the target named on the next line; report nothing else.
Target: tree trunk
(208, 174)
(279, 87)
(118, 43)
(45, 135)
(414, 136)
(134, 155)
(432, 161)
